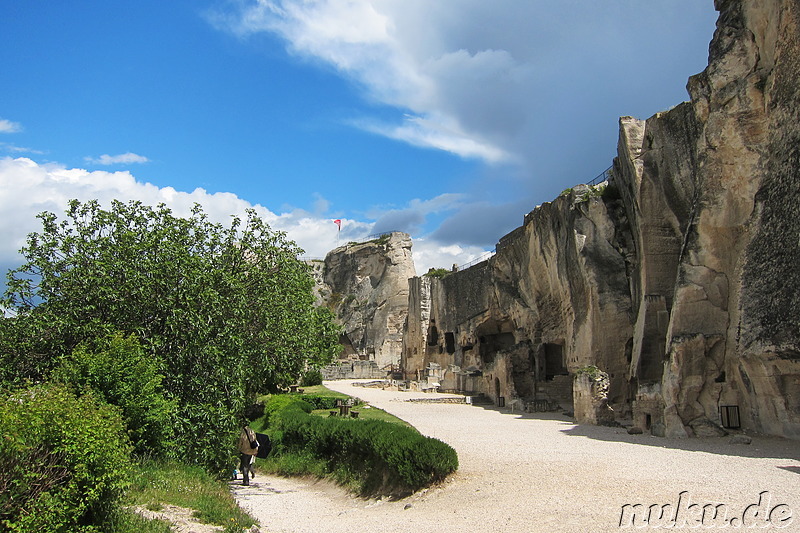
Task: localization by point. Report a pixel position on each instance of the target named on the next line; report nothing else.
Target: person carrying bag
(248, 447)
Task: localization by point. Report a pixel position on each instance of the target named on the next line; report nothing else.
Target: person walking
(248, 447)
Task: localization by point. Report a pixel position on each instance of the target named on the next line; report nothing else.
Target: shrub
(311, 378)
(254, 411)
(64, 460)
(320, 401)
(119, 372)
(385, 457)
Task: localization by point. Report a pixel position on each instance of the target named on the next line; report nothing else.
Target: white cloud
(497, 81)
(6, 126)
(126, 158)
(374, 44)
(28, 188)
(18, 149)
(433, 133)
(432, 254)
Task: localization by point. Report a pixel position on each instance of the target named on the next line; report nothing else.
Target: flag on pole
(338, 223)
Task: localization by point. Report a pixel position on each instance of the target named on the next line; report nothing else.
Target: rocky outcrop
(366, 286)
(677, 278)
(724, 169)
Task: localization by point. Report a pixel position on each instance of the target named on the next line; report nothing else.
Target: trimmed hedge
(64, 460)
(386, 457)
(320, 402)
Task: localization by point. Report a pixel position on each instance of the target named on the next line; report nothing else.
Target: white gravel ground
(521, 472)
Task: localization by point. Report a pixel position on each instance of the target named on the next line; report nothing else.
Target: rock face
(678, 277)
(366, 286)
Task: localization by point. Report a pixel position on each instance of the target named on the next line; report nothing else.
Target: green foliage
(591, 371)
(311, 378)
(382, 457)
(321, 401)
(227, 310)
(119, 372)
(382, 240)
(278, 402)
(64, 460)
(437, 273)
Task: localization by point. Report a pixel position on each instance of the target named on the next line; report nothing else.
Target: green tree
(228, 309)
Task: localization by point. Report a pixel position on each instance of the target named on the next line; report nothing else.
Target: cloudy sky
(446, 119)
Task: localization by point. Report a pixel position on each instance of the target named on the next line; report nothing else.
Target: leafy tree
(229, 310)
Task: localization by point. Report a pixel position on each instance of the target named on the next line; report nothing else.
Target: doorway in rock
(554, 364)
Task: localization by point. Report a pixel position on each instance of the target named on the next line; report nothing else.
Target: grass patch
(127, 521)
(322, 390)
(156, 483)
(366, 412)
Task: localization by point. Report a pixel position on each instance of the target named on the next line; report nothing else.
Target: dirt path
(542, 473)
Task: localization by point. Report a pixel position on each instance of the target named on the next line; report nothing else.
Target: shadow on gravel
(761, 447)
(549, 415)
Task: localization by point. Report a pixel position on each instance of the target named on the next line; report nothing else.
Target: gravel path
(522, 472)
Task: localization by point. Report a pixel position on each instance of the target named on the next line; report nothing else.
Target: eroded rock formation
(678, 278)
(366, 286)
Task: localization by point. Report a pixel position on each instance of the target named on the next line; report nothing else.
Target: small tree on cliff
(227, 311)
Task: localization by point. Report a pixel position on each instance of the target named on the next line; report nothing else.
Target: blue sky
(449, 120)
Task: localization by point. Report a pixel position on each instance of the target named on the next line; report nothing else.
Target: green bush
(118, 371)
(311, 378)
(320, 401)
(64, 460)
(385, 457)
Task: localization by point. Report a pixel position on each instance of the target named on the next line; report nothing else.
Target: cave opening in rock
(554, 364)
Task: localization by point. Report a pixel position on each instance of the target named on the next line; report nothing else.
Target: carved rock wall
(554, 298)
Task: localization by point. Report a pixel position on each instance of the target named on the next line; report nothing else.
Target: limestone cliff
(366, 286)
(677, 278)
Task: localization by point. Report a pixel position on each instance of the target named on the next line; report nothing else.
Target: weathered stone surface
(741, 439)
(366, 286)
(703, 427)
(590, 396)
